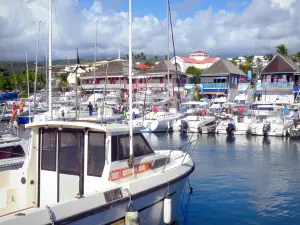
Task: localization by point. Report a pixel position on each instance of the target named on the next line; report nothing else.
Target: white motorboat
(270, 121)
(195, 123)
(236, 124)
(80, 173)
(158, 121)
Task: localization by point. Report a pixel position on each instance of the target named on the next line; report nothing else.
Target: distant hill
(17, 67)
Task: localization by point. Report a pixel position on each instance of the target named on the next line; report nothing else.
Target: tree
(143, 57)
(166, 57)
(235, 58)
(234, 62)
(127, 57)
(259, 67)
(269, 57)
(197, 79)
(249, 59)
(155, 58)
(282, 50)
(193, 70)
(197, 96)
(149, 63)
(245, 67)
(296, 57)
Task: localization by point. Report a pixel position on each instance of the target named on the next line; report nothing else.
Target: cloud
(261, 26)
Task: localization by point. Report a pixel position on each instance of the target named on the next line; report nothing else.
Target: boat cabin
(70, 159)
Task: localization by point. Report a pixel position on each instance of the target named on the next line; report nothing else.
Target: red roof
(199, 51)
(143, 66)
(192, 60)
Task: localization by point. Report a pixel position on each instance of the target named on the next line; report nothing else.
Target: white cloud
(257, 30)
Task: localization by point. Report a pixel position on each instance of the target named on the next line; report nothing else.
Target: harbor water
(240, 180)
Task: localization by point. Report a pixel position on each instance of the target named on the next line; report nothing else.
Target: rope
(59, 28)
(25, 15)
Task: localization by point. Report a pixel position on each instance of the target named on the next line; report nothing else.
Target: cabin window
(70, 151)
(141, 146)
(49, 139)
(11, 152)
(96, 154)
(121, 149)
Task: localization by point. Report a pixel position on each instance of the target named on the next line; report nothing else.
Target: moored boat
(81, 172)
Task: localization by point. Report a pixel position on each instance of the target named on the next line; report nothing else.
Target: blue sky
(184, 8)
(219, 27)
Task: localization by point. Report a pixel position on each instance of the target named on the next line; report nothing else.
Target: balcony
(153, 85)
(213, 85)
(102, 86)
(282, 84)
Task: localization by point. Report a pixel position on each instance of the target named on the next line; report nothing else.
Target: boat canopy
(85, 124)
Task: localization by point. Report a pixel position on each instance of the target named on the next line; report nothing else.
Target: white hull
(276, 130)
(194, 122)
(150, 208)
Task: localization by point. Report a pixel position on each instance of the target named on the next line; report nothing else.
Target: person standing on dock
(21, 108)
(90, 107)
(14, 111)
(286, 110)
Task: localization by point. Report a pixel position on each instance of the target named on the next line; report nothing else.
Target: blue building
(222, 78)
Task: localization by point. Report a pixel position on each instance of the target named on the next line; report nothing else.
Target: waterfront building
(198, 59)
(280, 80)
(116, 75)
(222, 78)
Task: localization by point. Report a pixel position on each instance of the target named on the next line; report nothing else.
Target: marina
(170, 136)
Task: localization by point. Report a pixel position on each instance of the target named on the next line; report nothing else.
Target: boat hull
(150, 208)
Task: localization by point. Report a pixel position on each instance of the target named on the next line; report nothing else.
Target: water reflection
(241, 179)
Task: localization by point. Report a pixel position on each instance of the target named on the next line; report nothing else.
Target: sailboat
(80, 172)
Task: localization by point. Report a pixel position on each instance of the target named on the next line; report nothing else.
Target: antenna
(119, 54)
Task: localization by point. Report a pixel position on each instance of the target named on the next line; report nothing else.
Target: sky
(219, 27)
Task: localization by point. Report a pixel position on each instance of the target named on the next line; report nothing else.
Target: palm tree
(143, 57)
(282, 50)
(155, 58)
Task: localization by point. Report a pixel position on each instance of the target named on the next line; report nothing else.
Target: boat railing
(185, 149)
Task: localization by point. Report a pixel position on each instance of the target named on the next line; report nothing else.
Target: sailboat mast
(50, 58)
(131, 156)
(95, 55)
(27, 76)
(36, 68)
(168, 44)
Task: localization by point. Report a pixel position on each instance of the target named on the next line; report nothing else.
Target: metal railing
(282, 84)
(213, 85)
(185, 149)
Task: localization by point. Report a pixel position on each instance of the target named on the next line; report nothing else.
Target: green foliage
(269, 56)
(196, 72)
(149, 63)
(234, 62)
(197, 79)
(249, 59)
(282, 50)
(9, 81)
(245, 67)
(166, 57)
(235, 58)
(193, 70)
(296, 57)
